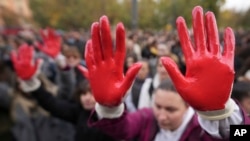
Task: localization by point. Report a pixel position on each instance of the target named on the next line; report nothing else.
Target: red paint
(105, 65)
(51, 42)
(209, 74)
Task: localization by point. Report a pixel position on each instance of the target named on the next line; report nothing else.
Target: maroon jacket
(142, 125)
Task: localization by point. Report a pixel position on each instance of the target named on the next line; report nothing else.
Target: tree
(152, 14)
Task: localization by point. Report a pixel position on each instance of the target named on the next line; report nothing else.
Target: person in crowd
(241, 92)
(59, 54)
(133, 46)
(30, 121)
(141, 85)
(26, 110)
(130, 59)
(5, 102)
(76, 113)
(145, 99)
(200, 107)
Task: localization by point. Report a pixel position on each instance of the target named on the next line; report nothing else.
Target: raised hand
(209, 76)
(105, 64)
(23, 61)
(51, 42)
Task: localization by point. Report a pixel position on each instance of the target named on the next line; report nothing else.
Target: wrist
(218, 114)
(30, 85)
(109, 112)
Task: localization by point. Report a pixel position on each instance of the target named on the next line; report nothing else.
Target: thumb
(130, 75)
(173, 71)
(84, 71)
(39, 46)
(39, 63)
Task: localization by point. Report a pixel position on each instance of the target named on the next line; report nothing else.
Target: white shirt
(167, 135)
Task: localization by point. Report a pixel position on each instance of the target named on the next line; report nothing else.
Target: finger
(120, 46)
(199, 31)
(29, 52)
(43, 34)
(229, 46)
(38, 45)
(23, 52)
(58, 39)
(96, 42)
(130, 75)
(106, 38)
(185, 40)
(173, 71)
(38, 66)
(26, 54)
(83, 70)
(51, 33)
(212, 33)
(89, 55)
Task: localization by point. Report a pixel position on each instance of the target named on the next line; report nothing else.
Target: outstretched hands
(51, 42)
(105, 64)
(207, 84)
(24, 64)
(52, 46)
(26, 67)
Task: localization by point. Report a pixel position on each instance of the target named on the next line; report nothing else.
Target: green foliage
(152, 14)
(244, 20)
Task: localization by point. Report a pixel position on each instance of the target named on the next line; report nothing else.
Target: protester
(76, 113)
(142, 85)
(207, 68)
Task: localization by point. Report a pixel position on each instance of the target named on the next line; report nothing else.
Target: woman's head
(168, 106)
(144, 71)
(84, 95)
(73, 56)
(130, 59)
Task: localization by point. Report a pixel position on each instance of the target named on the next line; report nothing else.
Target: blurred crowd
(22, 118)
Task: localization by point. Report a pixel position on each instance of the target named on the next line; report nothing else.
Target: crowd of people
(81, 85)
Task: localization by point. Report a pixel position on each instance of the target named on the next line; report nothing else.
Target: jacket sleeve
(5, 96)
(127, 126)
(221, 128)
(59, 108)
(66, 83)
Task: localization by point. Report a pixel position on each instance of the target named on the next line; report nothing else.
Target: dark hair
(241, 90)
(128, 55)
(167, 84)
(81, 89)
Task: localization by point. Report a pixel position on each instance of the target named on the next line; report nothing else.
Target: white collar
(167, 135)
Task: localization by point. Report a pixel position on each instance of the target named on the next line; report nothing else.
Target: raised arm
(108, 82)
(208, 80)
(105, 64)
(27, 70)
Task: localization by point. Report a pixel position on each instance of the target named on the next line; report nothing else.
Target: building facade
(18, 8)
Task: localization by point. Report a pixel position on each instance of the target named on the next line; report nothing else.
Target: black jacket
(71, 112)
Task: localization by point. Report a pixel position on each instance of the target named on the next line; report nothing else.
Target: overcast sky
(238, 5)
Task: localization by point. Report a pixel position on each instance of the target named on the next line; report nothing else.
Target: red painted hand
(23, 62)
(209, 76)
(105, 64)
(51, 42)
